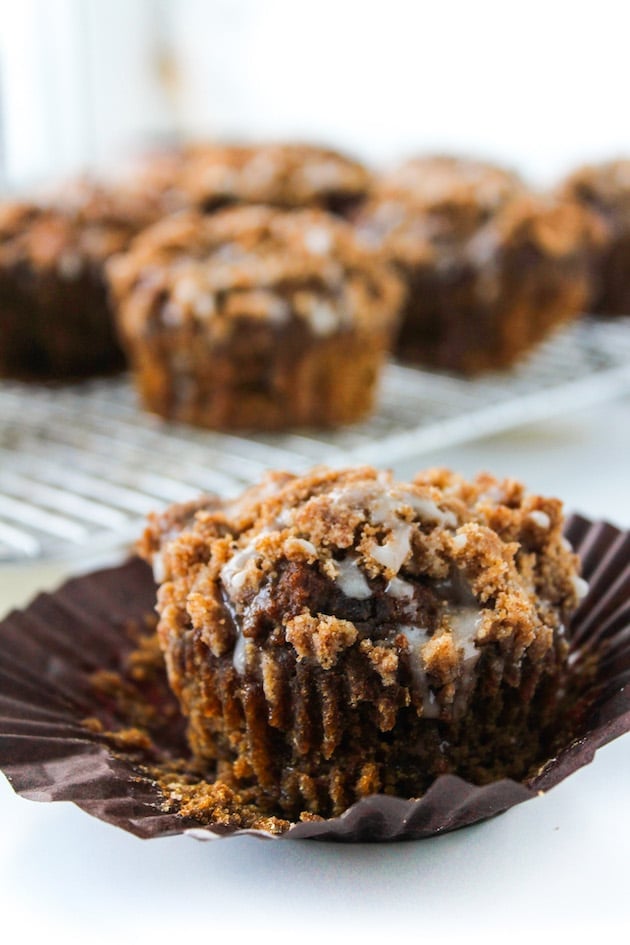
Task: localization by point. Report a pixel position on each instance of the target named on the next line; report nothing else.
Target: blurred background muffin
(604, 189)
(281, 175)
(55, 318)
(255, 318)
(491, 268)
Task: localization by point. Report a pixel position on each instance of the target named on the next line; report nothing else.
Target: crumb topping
(604, 187)
(464, 189)
(420, 577)
(254, 263)
(80, 225)
(284, 175)
(448, 212)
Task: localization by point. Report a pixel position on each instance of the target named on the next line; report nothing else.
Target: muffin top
(448, 212)
(603, 187)
(421, 577)
(465, 189)
(254, 263)
(282, 175)
(80, 224)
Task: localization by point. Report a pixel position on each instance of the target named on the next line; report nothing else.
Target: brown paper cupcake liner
(50, 651)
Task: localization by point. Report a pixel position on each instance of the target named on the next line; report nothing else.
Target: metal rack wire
(81, 465)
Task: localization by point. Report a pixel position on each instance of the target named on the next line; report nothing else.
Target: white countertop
(560, 861)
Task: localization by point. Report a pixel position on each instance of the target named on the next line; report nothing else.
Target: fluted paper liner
(50, 650)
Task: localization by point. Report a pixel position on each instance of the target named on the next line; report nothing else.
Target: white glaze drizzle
(464, 622)
(318, 240)
(463, 614)
(580, 586)
(351, 579)
(234, 572)
(382, 507)
(159, 570)
(306, 546)
(540, 518)
(239, 654)
(323, 318)
(400, 589)
(393, 554)
(429, 511)
(416, 638)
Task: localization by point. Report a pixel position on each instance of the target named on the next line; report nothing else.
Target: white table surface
(557, 862)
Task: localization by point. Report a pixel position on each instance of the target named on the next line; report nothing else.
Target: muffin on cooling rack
(490, 268)
(604, 189)
(281, 175)
(341, 634)
(255, 318)
(55, 319)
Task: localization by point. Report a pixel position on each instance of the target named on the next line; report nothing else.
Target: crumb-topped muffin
(341, 634)
(604, 189)
(490, 267)
(281, 175)
(255, 318)
(55, 319)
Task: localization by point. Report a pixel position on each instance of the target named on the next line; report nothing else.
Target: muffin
(341, 634)
(604, 189)
(280, 175)
(490, 267)
(55, 320)
(255, 318)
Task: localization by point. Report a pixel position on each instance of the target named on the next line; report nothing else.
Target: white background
(541, 85)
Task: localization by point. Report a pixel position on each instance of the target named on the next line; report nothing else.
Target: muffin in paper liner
(55, 725)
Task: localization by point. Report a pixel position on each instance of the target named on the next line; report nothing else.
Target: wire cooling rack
(81, 465)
